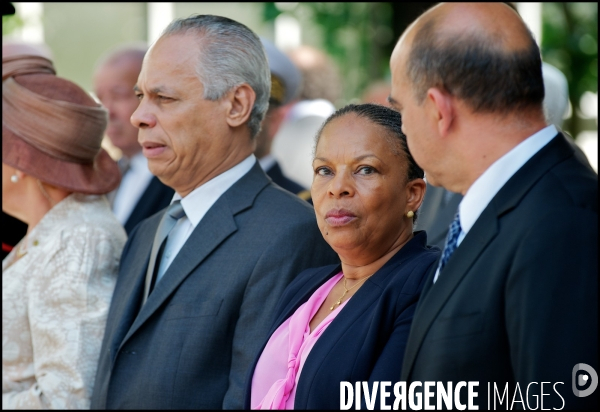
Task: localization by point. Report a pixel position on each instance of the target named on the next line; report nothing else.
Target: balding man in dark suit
(513, 301)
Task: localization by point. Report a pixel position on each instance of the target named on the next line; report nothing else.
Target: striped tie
(169, 219)
(451, 241)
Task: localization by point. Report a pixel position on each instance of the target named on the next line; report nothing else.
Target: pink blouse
(278, 369)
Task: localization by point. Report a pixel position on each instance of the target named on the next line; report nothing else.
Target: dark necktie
(167, 223)
(451, 242)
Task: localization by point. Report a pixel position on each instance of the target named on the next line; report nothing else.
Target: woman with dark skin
(350, 322)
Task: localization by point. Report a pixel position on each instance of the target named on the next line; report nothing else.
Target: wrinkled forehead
(355, 131)
(174, 50)
(171, 58)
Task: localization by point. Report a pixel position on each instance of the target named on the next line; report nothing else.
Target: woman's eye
(365, 170)
(322, 171)
(139, 96)
(164, 98)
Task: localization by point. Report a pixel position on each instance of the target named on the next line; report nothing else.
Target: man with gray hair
(198, 282)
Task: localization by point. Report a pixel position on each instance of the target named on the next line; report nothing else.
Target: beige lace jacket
(55, 300)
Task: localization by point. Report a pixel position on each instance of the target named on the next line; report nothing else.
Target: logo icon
(581, 379)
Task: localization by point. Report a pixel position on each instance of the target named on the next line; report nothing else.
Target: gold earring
(410, 214)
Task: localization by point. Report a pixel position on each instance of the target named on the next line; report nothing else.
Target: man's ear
(241, 101)
(442, 109)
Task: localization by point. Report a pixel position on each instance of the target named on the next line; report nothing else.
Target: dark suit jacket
(276, 174)
(192, 343)
(518, 300)
(155, 198)
(435, 214)
(366, 341)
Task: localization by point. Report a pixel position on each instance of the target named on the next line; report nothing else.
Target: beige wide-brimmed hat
(52, 129)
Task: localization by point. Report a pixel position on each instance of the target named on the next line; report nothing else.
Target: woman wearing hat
(58, 281)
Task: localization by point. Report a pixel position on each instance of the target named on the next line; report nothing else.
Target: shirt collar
(201, 199)
(483, 190)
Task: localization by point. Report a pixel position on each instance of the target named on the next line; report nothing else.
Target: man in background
(285, 84)
(140, 194)
(321, 89)
(513, 301)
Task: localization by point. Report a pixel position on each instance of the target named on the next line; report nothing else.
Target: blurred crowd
(209, 231)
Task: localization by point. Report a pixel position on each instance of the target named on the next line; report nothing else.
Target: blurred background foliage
(570, 42)
(361, 37)
(11, 23)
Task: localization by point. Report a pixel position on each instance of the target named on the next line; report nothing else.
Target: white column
(159, 17)
(32, 30)
(288, 33)
(531, 13)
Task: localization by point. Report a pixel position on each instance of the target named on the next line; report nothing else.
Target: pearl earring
(410, 214)
(14, 178)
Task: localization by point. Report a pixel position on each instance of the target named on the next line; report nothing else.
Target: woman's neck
(358, 270)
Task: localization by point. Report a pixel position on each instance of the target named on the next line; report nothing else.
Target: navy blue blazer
(366, 341)
(517, 301)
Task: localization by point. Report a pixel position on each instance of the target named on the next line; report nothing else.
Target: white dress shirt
(195, 205)
(133, 185)
(483, 190)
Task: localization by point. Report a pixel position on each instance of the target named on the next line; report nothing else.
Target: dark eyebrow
(366, 156)
(359, 158)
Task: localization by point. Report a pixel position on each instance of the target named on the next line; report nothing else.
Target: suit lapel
(368, 293)
(216, 226)
(127, 296)
(434, 297)
(219, 224)
(129, 309)
(303, 294)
